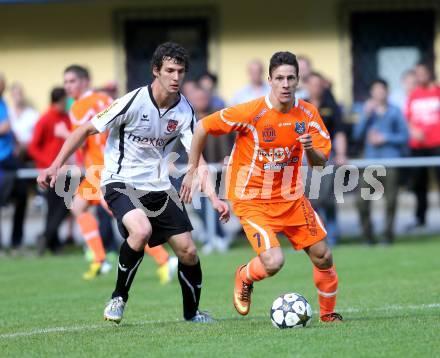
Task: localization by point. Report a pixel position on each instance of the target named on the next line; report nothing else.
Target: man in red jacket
(49, 134)
(423, 114)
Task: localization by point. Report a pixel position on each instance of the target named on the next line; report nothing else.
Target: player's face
(284, 81)
(74, 85)
(170, 76)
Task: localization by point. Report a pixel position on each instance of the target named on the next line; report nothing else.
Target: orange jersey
(266, 157)
(82, 111)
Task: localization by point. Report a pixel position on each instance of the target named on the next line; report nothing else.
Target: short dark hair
(57, 94)
(379, 81)
(169, 51)
(282, 58)
(78, 70)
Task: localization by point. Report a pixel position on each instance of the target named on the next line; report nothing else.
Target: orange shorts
(90, 192)
(296, 219)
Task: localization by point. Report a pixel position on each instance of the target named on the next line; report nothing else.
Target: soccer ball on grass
(290, 310)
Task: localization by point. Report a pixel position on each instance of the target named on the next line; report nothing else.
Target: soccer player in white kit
(143, 127)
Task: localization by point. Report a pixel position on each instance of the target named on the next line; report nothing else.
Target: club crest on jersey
(172, 125)
(300, 127)
(269, 134)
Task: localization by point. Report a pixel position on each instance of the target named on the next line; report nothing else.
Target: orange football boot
(331, 318)
(242, 293)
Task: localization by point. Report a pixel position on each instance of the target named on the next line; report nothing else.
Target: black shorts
(165, 215)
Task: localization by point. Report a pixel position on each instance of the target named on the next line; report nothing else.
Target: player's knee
(188, 255)
(273, 264)
(139, 236)
(324, 260)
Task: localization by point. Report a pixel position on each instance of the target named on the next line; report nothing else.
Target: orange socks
(254, 271)
(158, 253)
(89, 230)
(326, 281)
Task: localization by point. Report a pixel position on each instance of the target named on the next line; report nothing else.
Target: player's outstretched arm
(48, 176)
(197, 146)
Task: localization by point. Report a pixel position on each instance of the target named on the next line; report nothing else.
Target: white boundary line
(94, 327)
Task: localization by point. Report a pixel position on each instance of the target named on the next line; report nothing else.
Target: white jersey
(141, 138)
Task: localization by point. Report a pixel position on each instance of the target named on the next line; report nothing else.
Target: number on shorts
(258, 237)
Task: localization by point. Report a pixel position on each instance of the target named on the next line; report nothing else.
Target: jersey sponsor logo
(145, 118)
(105, 111)
(172, 125)
(276, 167)
(269, 134)
(300, 127)
(259, 115)
(275, 154)
(155, 142)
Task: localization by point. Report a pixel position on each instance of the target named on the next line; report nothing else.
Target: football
(290, 310)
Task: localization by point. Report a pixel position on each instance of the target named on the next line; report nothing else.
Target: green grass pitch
(389, 297)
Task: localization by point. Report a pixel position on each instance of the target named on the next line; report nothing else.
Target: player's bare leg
(190, 277)
(268, 263)
(130, 257)
(326, 280)
(89, 230)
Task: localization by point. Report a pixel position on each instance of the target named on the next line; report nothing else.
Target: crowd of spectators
(403, 123)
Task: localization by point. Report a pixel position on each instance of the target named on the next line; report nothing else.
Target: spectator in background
(9, 162)
(110, 89)
(50, 132)
(188, 88)
(330, 113)
(257, 86)
(409, 83)
(23, 118)
(304, 70)
(208, 82)
(423, 115)
(383, 132)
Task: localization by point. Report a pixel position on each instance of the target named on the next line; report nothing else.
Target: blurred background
(343, 47)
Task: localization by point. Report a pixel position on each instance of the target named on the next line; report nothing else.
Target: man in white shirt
(143, 127)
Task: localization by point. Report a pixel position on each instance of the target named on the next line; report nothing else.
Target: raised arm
(73, 142)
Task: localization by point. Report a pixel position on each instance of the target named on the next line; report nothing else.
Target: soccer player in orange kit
(87, 104)
(272, 134)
